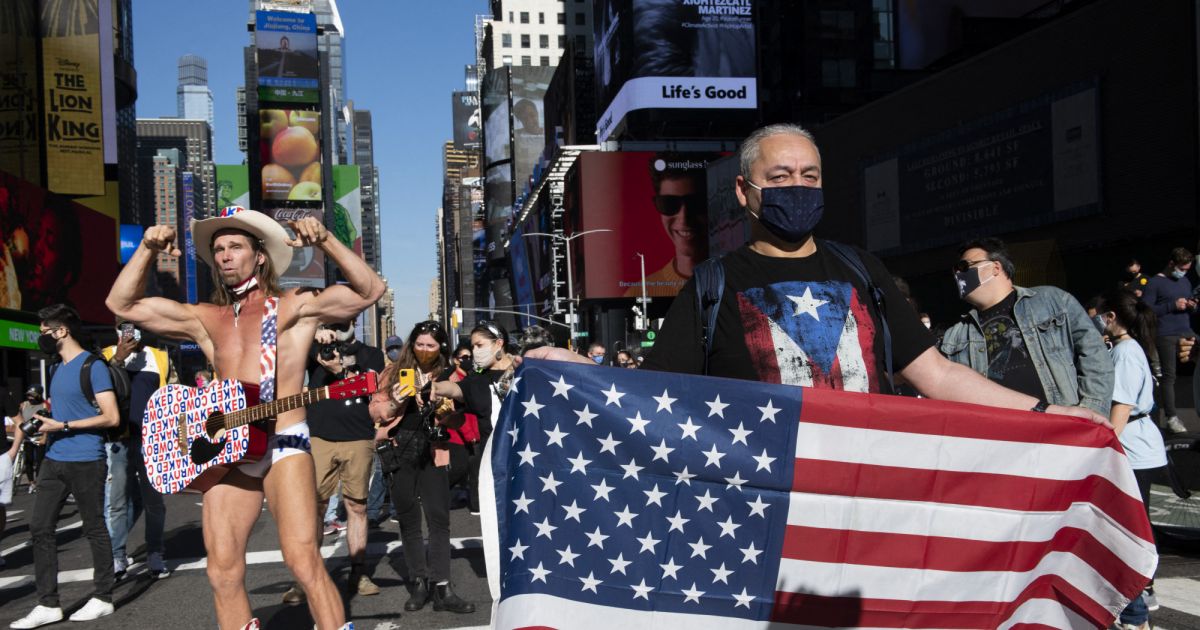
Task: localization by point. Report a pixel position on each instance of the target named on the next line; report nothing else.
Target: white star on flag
(641, 590)
(716, 407)
(549, 484)
(719, 575)
(689, 429)
(728, 527)
(602, 490)
(735, 481)
(807, 303)
(631, 469)
(590, 582)
(699, 548)
(670, 568)
(768, 412)
(532, 407)
(677, 522)
(544, 528)
(554, 436)
(648, 542)
(566, 557)
(585, 416)
(750, 554)
(527, 455)
(683, 476)
(654, 496)
(561, 388)
(625, 517)
(612, 396)
(579, 464)
(714, 457)
(639, 424)
(539, 573)
(692, 595)
(574, 511)
(706, 501)
(596, 538)
(522, 504)
(743, 599)
(619, 563)
(764, 462)
(662, 451)
(758, 507)
(664, 402)
(518, 550)
(740, 433)
(608, 444)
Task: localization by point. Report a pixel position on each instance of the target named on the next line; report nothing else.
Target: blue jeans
(129, 493)
(1136, 612)
(377, 509)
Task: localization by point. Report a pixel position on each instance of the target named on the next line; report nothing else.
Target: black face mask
(47, 343)
(790, 212)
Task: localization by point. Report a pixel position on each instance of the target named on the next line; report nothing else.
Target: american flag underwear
(270, 346)
(640, 499)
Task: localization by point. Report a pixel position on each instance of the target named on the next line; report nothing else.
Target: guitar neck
(275, 407)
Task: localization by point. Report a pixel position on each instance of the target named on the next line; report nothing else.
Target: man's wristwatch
(1041, 406)
(66, 426)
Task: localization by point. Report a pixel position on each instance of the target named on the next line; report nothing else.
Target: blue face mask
(790, 212)
(1178, 274)
(394, 354)
(599, 359)
(1098, 320)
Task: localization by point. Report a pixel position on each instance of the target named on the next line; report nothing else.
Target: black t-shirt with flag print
(797, 321)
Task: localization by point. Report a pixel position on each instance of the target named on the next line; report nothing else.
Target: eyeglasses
(50, 330)
(668, 205)
(964, 265)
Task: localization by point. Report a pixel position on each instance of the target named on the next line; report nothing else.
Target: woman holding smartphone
(413, 451)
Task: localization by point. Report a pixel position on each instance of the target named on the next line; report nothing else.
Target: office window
(525, 41)
(837, 24)
(545, 61)
(562, 18)
(884, 30)
(510, 17)
(524, 17)
(838, 73)
(507, 60)
(506, 40)
(526, 60)
(543, 41)
(580, 20)
(541, 18)
(580, 42)
(562, 41)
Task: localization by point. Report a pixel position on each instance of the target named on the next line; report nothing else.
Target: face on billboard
(290, 150)
(656, 205)
(467, 118)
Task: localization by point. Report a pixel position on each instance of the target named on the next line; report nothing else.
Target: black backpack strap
(854, 262)
(85, 380)
(709, 279)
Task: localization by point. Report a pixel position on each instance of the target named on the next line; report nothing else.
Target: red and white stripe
(918, 514)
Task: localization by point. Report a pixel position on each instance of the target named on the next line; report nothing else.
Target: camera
(34, 424)
(326, 351)
(437, 432)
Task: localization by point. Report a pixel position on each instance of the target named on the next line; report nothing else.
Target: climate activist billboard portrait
(656, 205)
(673, 54)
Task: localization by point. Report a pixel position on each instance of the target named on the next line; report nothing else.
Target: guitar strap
(270, 341)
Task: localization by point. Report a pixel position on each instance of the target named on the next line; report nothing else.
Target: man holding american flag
(871, 512)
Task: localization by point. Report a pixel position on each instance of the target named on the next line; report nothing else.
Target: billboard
(20, 148)
(347, 206)
(290, 154)
(673, 54)
(43, 253)
(468, 121)
(189, 246)
(728, 225)
(655, 204)
(286, 45)
(529, 85)
(233, 185)
(71, 93)
(1031, 164)
(497, 135)
(308, 263)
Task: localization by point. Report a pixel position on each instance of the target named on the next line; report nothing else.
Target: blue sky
(403, 58)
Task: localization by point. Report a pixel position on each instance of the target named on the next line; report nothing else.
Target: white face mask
(483, 357)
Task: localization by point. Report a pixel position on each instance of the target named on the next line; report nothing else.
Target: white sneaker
(158, 568)
(40, 616)
(94, 609)
(1175, 425)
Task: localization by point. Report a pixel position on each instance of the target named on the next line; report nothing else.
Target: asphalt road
(183, 600)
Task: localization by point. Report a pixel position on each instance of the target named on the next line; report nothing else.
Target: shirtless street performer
(246, 251)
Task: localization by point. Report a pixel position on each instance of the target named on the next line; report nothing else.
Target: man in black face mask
(798, 310)
(1035, 340)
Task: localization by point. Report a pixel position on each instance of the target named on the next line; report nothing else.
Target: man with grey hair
(798, 310)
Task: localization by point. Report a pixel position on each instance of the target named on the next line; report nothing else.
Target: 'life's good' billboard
(286, 44)
(673, 54)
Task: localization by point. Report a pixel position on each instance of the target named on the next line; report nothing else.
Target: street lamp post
(570, 276)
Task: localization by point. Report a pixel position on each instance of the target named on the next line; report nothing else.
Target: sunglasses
(494, 329)
(428, 326)
(668, 205)
(462, 357)
(965, 265)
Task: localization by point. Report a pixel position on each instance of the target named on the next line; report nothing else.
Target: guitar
(191, 437)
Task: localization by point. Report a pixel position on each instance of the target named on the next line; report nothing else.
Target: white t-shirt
(1134, 385)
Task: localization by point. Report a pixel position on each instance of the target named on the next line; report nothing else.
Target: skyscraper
(535, 32)
(194, 100)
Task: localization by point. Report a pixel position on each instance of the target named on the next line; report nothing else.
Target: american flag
(630, 498)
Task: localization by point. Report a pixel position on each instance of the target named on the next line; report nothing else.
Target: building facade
(194, 99)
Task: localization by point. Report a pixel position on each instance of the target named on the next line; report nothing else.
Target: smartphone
(408, 378)
(129, 330)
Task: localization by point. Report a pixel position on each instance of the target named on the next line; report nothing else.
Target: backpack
(709, 277)
(121, 389)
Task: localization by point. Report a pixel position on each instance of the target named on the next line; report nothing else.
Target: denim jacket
(1066, 350)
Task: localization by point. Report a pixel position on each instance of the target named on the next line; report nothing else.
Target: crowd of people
(419, 438)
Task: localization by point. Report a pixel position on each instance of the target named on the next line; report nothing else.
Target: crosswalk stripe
(1179, 594)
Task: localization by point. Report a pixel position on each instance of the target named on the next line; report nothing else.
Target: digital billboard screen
(290, 154)
(655, 204)
(529, 85)
(673, 54)
(497, 135)
(286, 45)
(55, 250)
(468, 121)
(71, 97)
(308, 263)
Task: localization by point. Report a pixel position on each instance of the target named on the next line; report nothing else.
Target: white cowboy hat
(269, 232)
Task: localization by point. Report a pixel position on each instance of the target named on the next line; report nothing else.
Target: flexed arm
(128, 300)
(337, 303)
